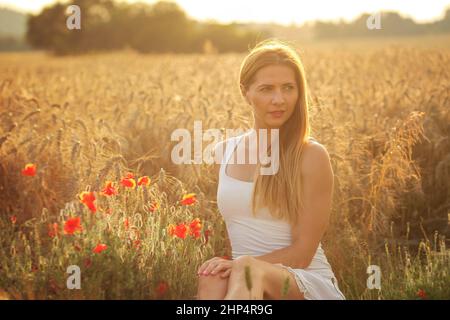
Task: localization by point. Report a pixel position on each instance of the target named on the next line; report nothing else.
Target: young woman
(275, 222)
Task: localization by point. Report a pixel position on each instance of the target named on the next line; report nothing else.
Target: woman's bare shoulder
(315, 157)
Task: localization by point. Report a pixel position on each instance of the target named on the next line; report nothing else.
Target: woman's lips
(276, 114)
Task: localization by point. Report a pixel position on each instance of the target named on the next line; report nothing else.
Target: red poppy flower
(126, 223)
(195, 228)
(13, 219)
(144, 181)
(109, 189)
(88, 199)
(129, 175)
(421, 294)
(72, 225)
(87, 196)
(128, 182)
(53, 230)
(162, 288)
(99, 248)
(189, 199)
(179, 231)
(30, 170)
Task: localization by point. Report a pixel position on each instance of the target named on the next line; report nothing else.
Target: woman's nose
(278, 97)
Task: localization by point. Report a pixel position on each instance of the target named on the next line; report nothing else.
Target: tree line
(160, 27)
(164, 27)
(391, 23)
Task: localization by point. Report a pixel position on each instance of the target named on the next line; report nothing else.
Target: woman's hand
(214, 266)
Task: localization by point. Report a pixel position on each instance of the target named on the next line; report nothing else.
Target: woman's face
(272, 95)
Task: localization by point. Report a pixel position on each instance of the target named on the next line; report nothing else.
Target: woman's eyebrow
(271, 85)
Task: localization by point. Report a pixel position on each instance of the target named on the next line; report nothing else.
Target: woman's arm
(317, 175)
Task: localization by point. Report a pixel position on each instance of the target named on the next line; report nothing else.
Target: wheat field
(380, 109)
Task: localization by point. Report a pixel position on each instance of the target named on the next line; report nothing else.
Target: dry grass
(382, 113)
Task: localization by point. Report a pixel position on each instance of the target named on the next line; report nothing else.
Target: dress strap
(231, 146)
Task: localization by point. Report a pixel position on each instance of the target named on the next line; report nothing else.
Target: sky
(282, 11)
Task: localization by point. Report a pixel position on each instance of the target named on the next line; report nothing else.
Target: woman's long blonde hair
(281, 192)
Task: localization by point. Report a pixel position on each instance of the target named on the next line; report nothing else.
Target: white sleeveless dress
(262, 234)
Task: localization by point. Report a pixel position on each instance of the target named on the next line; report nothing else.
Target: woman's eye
(288, 88)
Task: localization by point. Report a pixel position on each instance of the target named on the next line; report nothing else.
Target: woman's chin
(275, 123)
